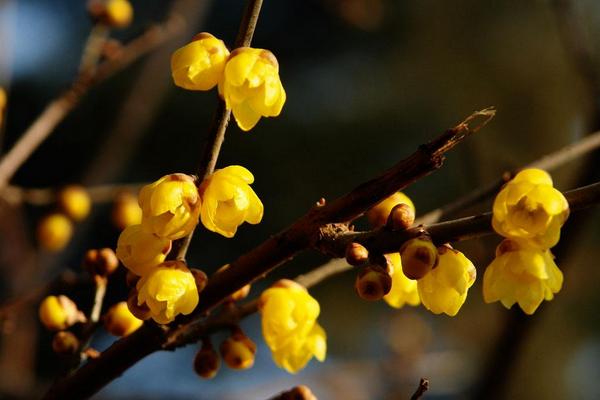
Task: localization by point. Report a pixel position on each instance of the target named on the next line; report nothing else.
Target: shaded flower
(141, 251)
(404, 290)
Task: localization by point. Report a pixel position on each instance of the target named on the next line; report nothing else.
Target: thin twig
(423, 387)
(59, 108)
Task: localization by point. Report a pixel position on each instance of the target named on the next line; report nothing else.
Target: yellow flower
(404, 290)
(75, 202)
(168, 290)
(141, 251)
(170, 206)
(126, 211)
(379, 213)
(521, 274)
(228, 201)
(529, 209)
(54, 232)
(118, 14)
(199, 65)
(289, 326)
(444, 288)
(59, 312)
(119, 321)
(238, 351)
(251, 86)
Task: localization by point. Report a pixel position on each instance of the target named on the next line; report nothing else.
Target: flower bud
(112, 13)
(419, 256)
(241, 293)
(356, 254)
(238, 351)
(170, 206)
(140, 311)
(378, 215)
(100, 261)
(65, 342)
(119, 320)
(59, 312)
(372, 283)
(54, 232)
(401, 217)
(141, 251)
(75, 202)
(297, 393)
(126, 211)
(207, 361)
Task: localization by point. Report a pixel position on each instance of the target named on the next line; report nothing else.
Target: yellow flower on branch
(168, 290)
(404, 290)
(529, 209)
(199, 65)
(444, 288)
(170, 206)
(289, 325)
(59, 312)
(251, 86)
(523, 275)
(379, 213)
(119, 321)
(228, 200)
(141, 251)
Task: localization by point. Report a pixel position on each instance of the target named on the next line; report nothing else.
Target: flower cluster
(529, 212)
(171, 208)
(289, 325)
(248, 78)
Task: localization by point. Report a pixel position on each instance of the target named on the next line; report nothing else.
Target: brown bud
(356, 254)
(240, 294)
(401, 217)
(297, 393)
(200, 278)
(139, 311)
(372, 283)
(100, 262)
(207, 361)
(419, 256)
(238, 351)
(65, 342)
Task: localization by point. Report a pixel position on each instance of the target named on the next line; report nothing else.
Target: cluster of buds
(54, 231)
(529, 212)
(237, 351)
(247, 78)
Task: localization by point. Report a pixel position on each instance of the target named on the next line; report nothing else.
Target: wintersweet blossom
(251, 86)
(168, 290)
(523, 275)
(199, 65)
(444, 288)
(404, 290)
(54, 231)
(170, 206)
(141, 251)
(289, 325)
(228, 201)
(59, 312)
(119, 321)
(529, 209)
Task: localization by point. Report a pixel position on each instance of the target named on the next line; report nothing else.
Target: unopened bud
(113, 13)
(54, 232)
(378, 215)
(120, 321)
(139, 311)
(240, 294)
(401, 217)
(200, 278)
(297, 393)
(207, 361)
(372, 283)
(75, 202)
(419, 256)
(356, 254)
(100, 262)
(59, 312)
(238, 351)
(65, 342)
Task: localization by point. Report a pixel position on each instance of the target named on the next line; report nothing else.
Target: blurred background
(367, 82)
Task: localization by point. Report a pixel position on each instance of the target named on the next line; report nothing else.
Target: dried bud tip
(240, 294)
(356, 254)
(200, 278)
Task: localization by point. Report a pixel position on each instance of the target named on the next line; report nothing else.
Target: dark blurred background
(367, 82)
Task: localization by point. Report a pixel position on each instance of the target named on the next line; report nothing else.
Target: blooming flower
(289, 325)
(379, 213)
(168, 290)
(444, 288)
(59, 312)
(119, 321)
(529, 209)
(199, 65)
(170, 206)
(251, 86)
(141, 251)
(228, 200)
(521, 274)
(404, 290)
